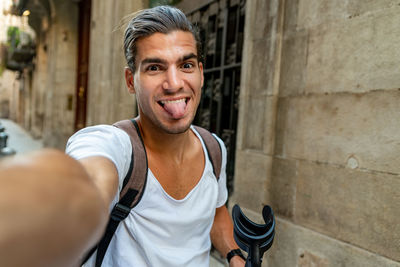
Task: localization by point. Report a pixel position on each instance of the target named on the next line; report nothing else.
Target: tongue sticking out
(175, 108)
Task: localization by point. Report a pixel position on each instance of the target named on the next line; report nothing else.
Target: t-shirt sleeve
(222, 189)
(106, 141)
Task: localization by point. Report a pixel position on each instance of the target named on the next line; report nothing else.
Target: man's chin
(177, 127)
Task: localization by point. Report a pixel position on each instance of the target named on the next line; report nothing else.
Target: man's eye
(187, 65)
(153, 68)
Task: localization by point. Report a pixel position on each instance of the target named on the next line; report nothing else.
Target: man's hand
(237, 261)
(222, 236)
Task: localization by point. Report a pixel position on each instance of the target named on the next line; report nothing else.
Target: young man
(182, 209)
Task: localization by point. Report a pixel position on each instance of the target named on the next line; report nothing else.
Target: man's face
(167, 80)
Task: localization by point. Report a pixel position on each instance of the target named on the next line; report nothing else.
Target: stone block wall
(8, 83)
(60, 78)
(108, 97)
(39, 83)
(319, 130)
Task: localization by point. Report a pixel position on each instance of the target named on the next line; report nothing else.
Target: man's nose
(173, 80)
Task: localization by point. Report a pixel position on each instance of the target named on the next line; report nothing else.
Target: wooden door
(83, 63)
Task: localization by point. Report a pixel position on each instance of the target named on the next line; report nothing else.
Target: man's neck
(165, 144)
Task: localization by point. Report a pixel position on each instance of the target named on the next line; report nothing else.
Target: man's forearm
(222, 235)
(51, 211)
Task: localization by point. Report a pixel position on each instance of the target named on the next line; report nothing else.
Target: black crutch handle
(253, 238)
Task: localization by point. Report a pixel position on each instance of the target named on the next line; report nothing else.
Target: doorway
(83, 64)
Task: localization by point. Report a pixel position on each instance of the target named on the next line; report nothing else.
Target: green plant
(17, 39)
(13, 38)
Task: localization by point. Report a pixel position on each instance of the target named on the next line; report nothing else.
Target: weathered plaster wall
(108, 98)
(319, 130)
(40, 80)
(17, 101)
(62, 39)
(8, 83)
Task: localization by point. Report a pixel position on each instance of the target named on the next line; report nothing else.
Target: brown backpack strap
(213, 149)
(132, 189)
(136, 178)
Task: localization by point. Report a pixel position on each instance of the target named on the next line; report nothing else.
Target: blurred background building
(305, 95)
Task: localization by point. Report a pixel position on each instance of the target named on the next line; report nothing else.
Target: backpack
(135, 181)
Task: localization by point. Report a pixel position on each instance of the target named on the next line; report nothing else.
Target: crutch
(253, 238)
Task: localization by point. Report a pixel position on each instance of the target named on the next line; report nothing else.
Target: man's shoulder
(98, 130)
(98, 134)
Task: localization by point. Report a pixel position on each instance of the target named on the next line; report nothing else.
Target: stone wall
(40, 81)
(319, 130)
(8, 83)
(61, 39)
(108, 97)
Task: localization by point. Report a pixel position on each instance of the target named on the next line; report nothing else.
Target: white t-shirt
(160, 230)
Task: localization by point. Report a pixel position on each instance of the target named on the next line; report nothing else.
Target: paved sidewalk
(19, 139)
(215, 263)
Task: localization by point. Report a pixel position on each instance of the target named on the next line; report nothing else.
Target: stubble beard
(174, 129)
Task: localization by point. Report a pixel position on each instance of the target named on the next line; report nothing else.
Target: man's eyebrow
(153, 60)
(188, 56)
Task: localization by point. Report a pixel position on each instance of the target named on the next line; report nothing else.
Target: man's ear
(201, 73)
(129, 80)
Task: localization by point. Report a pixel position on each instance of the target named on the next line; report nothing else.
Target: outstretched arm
(222, 235)
(52, 208)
